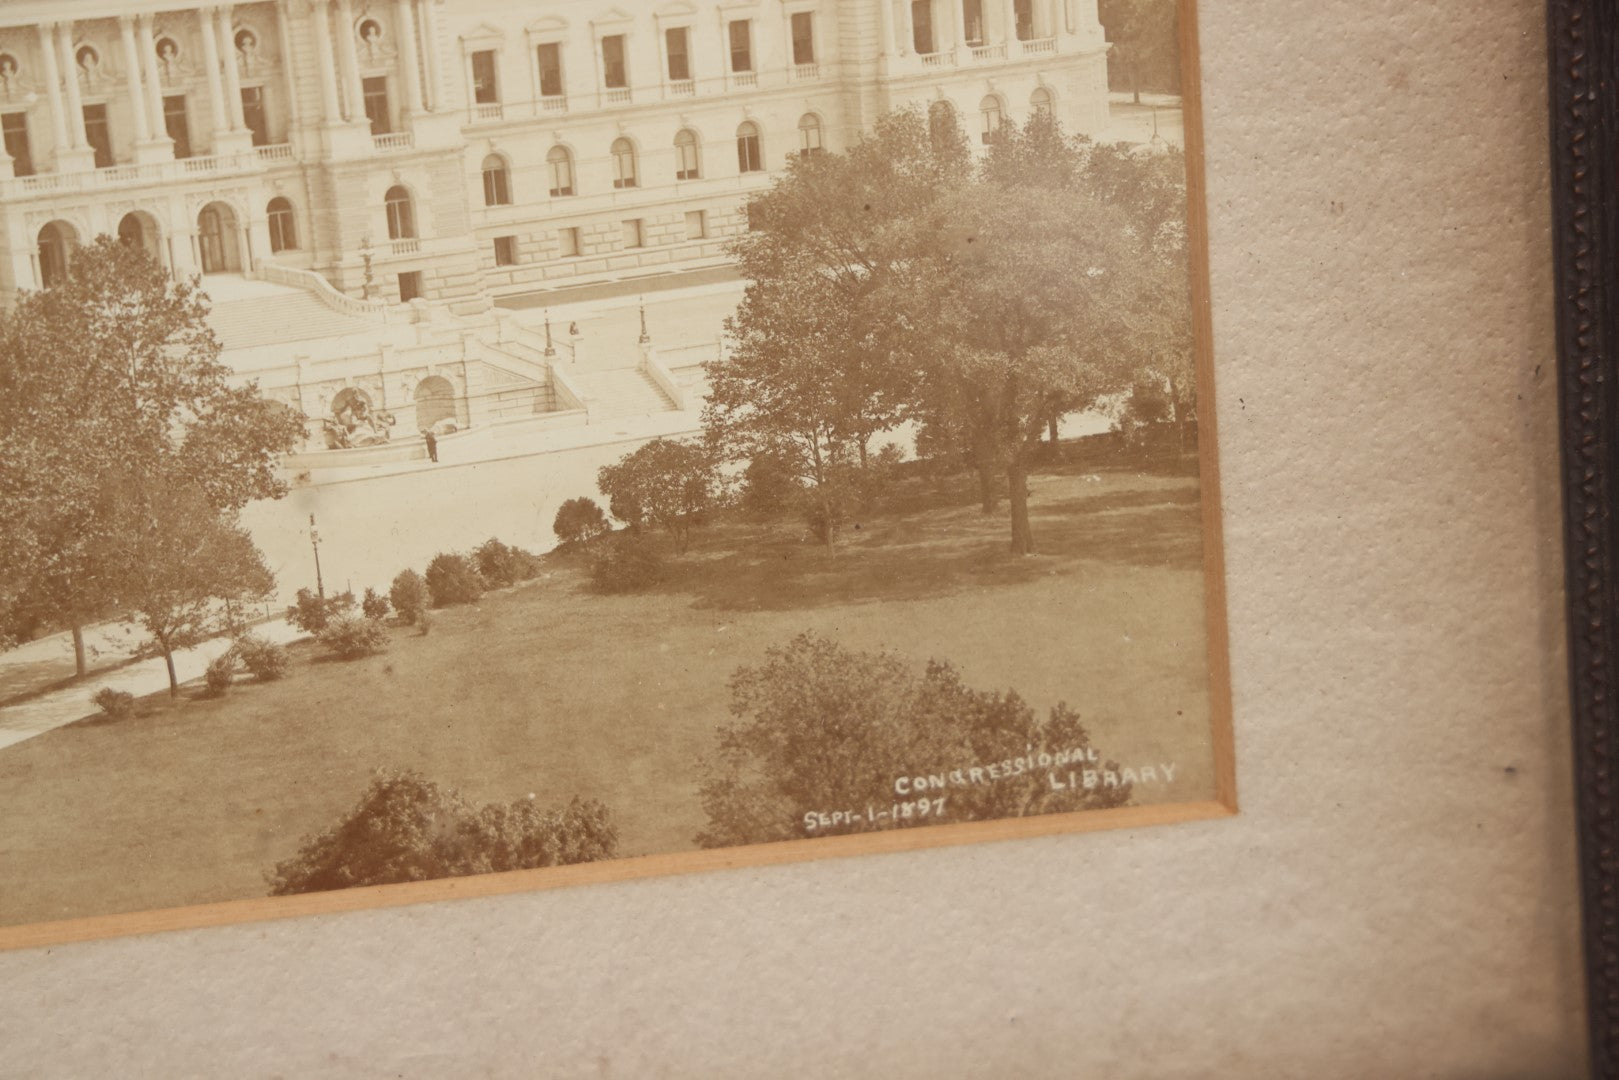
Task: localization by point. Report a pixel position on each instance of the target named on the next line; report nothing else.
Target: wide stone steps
(273, 320)
(621, 392)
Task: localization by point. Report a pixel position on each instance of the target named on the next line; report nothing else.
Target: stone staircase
(283, 316)
(621, 392)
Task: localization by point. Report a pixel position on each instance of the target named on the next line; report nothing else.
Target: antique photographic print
(467, 441)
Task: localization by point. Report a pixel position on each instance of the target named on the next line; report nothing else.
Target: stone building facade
(458, 151)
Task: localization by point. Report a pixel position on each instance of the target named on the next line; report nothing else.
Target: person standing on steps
(432, 444)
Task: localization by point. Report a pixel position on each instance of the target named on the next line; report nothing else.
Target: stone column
(283, 32)
(907, 28)
(885, 23)
(75, 102)
(353, 92)
(210, 61)
(958, 22)
(1009, 25)
(406, 20)
(147, 41)
(53, 87)
(132, 73)
(430, 42)
(332, 111)
(233, 75)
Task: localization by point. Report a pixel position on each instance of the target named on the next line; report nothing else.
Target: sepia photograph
(441, 440)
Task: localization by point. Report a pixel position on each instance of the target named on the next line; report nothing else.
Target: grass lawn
(551, 689)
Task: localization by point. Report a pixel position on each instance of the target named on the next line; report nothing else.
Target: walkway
(60, 707)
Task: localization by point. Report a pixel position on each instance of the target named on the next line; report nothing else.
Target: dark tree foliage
(1146, 44)
(409, 596)
(453, 579)
(820, 727)
(108, 379)
(407, 828)
(668, 483)
(579, 521)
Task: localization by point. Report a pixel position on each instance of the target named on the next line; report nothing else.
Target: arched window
(943, 127)
(624, 164)
(748, 156)
(1040, 101)
(497, 181)
(989, 110)
(56, 243)
(401, 213)
(560, 163)
(809, 135)
(283, 227)
(688, 166)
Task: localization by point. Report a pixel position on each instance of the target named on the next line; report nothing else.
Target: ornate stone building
(457, 151)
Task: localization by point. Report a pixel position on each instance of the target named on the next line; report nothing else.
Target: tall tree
(188, 565)
(818, 364)
(113, 373)
(1146, 44)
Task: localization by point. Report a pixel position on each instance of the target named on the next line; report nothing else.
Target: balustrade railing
(990, 52)
(1040, 47)
(938, 60)
(683, 88)
(554, 103)
(806, 72)
(616, 95)
(488, 110)
(275, 152)
(406, 246)
(394, 140)
(373, 310)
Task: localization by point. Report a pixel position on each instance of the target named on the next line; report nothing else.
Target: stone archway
(435, 401)
(219, 239)
(57, 239)
(140, 230)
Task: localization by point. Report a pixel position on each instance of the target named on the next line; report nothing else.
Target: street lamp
(314, 542)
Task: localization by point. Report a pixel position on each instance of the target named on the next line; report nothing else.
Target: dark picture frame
(1583, 64)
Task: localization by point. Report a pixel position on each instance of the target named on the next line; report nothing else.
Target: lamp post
(314, 542)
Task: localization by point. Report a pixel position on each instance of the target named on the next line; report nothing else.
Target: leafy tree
(187, 560)
(818, 363)
(407, 828)
(409, 595)
(579, 521)
(311, 612)
(453, 579)
(113, 374)
(1146, 47)
(500, 564)
(374, 605)
(821, 727)
(667, 483)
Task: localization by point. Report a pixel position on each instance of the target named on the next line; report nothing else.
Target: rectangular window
(253, 114)
(1023, 13)
(376, 104)
(550, 57)
(634, 235)
(95, 131)
(804, 37)
(176, 124)
(568, 242)
(505, 251)
(696, 224)
(677, 43)
(410, 286)
(922, 25)
(972, 15)
(15, 126)
(485, 88)
(742, 45)
(613, 62)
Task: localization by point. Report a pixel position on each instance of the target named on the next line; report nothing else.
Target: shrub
(453, 579)
(264, 660)
(819, 725)
(500, 565)
(407, 828)
(351, 637)
(666, 483)
(769, 486)
(373, 605)
(116, 704)
(311, 614)
(409, 596)
(221, 673)
(629, 563)
(579, 521)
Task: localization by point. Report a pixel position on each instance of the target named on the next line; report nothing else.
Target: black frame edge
(1580, 40)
